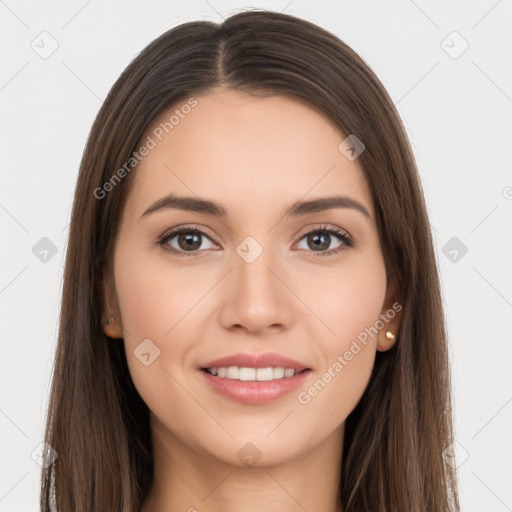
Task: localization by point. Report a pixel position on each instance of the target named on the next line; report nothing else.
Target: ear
(391, 316)
(111, 317)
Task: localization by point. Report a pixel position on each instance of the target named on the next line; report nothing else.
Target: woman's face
(309, 286)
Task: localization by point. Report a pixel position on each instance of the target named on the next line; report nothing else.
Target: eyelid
(323, 227)
(189, 227)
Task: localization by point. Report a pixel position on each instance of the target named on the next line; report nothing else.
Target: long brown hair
(98, 423)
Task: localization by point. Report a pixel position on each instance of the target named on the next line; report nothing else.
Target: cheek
(157, 303)
(349, 302)
(348, 358)
(348, 299)
(153, 296)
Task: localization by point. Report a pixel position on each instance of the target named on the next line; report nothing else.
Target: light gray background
(457, 112)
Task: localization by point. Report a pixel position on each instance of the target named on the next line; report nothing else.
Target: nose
(255, 297)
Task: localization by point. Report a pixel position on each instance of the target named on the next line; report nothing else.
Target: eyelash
(347, 241)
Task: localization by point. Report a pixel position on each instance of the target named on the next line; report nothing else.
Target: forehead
(245, 151)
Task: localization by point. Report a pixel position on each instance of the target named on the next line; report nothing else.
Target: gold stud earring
(106, 324)
(390, 335)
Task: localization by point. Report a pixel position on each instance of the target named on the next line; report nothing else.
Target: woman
(251, 314)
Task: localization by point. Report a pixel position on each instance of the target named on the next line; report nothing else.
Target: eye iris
(191, 241)
(316, 243)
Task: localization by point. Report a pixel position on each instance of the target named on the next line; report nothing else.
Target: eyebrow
(195, 204)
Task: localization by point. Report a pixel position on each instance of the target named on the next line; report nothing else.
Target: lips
(265, 360)
(254, 392)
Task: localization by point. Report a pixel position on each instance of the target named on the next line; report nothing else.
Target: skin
(255, 157)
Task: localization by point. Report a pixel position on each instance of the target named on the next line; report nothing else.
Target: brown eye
(186, 240)
(319, 241)
(189, 241)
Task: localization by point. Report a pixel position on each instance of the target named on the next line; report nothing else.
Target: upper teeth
(261, 374)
